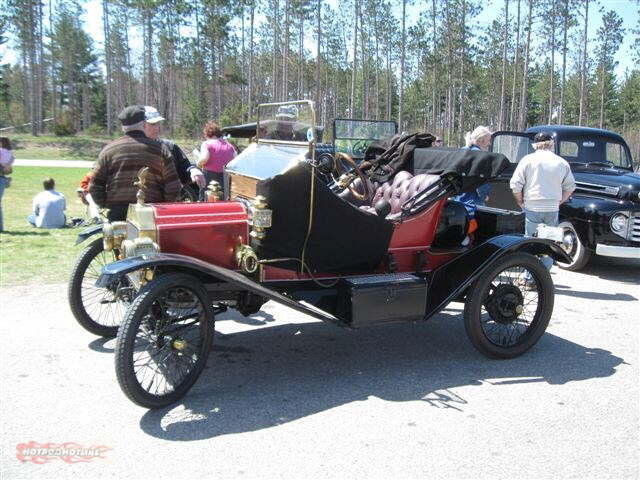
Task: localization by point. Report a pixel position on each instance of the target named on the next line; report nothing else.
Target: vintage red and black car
(352, 252)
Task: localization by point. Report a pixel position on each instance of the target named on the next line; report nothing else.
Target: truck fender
(88, 232)
(114, 271)
(449, 280)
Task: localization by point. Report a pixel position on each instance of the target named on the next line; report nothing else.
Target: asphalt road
(287, 397)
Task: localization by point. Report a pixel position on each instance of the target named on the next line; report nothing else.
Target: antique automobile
(353, 254)
(603, 215)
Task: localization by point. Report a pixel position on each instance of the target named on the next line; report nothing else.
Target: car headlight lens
(619, 223)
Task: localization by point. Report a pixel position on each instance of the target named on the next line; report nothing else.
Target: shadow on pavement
(265, 377)
(626, 270)
(100, 345)
(595, 295)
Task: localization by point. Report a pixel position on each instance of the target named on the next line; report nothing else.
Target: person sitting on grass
(48, 207)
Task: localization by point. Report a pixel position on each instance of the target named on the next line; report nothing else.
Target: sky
(627, 9)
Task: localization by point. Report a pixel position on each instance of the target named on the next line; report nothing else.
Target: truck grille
(634, 228)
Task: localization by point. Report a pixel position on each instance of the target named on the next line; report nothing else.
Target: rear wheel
(98, 310)
(572, 245)
(509, 306)
(164, 341)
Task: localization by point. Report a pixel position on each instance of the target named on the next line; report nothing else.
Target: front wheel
(164, 341)
(573, 247)
(97, 310)
(509, 306)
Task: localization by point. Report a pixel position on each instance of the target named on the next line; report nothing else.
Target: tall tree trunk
(40, 66)
(274, 64)
(301, 57)
(525, 72)
(243, 64)
(402, 54)
(107, 56)
(602, 87)
(54, 87)
(251, 87)
(565, 27)
(503, 82)
(377, 64)
(516, 61)
(553, 63)
(318, 47)
(583, 69)
(434, 70)
(462, 80)
(352, 112)
(285, 54)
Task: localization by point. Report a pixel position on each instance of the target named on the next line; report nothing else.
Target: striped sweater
(117, 169)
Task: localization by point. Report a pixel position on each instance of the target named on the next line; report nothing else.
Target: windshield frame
(310, 143)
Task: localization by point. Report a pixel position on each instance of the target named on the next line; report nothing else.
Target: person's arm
(568, 185)
(517, 183)
(98, 185)
(36, 208)
(183, 162)
(519, 199)
(171, 184)
(203, 155)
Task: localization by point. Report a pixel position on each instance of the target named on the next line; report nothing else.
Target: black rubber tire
(581, 256)
(124, 350)
(74, 291)
(476, 298)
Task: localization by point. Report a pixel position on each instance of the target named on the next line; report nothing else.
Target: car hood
(607, 181)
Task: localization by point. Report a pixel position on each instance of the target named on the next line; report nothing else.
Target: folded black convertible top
(469, 163)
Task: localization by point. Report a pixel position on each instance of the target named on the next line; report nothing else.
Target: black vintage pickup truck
(603, 215)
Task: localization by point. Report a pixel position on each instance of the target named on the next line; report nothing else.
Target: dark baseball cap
(131, 115)
(542, 137)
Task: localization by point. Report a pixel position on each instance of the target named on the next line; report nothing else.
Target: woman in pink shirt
(6, 162)
(215, 153)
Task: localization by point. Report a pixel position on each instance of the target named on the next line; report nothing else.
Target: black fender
(452, 278)
(88, 232)
(114, 271)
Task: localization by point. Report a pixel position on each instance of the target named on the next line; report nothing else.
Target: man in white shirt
(541, 182)
(48, 207)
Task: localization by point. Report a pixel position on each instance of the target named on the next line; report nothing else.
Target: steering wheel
(345, 179)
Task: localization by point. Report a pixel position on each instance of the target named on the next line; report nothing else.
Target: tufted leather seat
(403, 186)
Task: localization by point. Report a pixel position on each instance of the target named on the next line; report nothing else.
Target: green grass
(46, 147)
(31, 255)
(78, 147)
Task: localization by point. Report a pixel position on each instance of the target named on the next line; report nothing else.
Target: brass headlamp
(261, 218)
(214, 192)
(113, 234)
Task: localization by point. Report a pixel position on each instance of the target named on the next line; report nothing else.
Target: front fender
(449, 280)
(88, 232)
(114, 271)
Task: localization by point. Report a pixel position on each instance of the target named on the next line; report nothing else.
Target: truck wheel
(509, 306)
(572, 245)
(164, 340)
(97, 310)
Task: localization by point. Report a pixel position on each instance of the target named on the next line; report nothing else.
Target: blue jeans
(532, 220)
(3, 185)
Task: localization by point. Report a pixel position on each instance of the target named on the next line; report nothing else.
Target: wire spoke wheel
(164, 341)
(509, 306)
(98, 310)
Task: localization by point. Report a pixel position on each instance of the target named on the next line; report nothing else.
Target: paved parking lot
(287, 397)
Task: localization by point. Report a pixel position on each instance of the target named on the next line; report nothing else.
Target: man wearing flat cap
(541, 182)
(119, 162)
